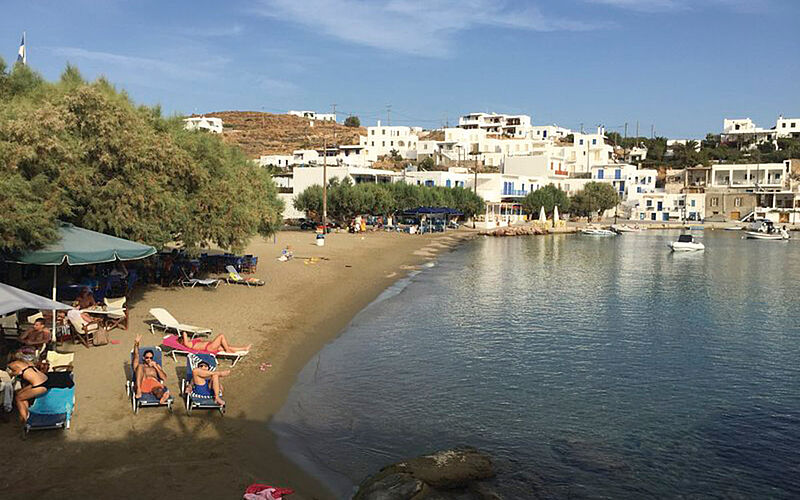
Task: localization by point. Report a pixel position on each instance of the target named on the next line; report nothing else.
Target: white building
(313, 115)
(382, 140)
(494, 123)
(764, 176)
(280, 161)
(452, 177)
(787, 127)
(669, 207)
(626, 179)
(203, 123)
(548, 132)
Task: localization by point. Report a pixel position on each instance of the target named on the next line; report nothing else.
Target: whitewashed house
(382, 140)
(208, 123)
(313, 115)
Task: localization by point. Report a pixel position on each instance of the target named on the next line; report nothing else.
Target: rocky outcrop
(456, 474)
(515, 231)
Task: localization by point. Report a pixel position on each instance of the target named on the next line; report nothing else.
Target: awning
(13, 299)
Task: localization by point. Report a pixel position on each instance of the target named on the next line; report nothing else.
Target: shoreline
(306, 303)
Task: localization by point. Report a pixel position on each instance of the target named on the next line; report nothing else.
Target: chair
(147, 399)
(53, 410)
(166, 321)
(174, 345)
(60, 361)
(235, 277)
(191, 399)
(84, 330)
(114, 319)
(9, 327)
(191, 282)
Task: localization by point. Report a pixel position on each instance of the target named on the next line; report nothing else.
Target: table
(109, 314)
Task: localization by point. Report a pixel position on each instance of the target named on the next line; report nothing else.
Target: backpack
(100, 337)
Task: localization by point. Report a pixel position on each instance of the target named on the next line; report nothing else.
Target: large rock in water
(455, 474)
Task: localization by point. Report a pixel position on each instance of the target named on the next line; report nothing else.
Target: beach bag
(100, 337)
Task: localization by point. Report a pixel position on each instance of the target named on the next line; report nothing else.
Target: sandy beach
(111, 453)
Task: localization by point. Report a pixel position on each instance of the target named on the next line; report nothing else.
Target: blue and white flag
(22, 55)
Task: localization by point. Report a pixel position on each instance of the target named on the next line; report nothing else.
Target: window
(594, 141)
(641, 216)
(649, 203)
(783, 125)
(383, 131)
(429, 183)
(391, 143)
(600, 173)
(714, 201)
(653, 216)
(737, 202)
(617, 174)
(373, 143)
(372, 132)
(793, 124)
(580, 142)
(383, 143)
(693, 203)
(544, 134)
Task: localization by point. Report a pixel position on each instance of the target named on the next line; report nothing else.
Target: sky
(678, 66)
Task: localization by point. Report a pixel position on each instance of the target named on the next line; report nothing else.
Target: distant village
(505, 157)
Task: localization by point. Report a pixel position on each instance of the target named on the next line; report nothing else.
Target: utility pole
(637, 128)
(388, 115)
(581, 127)
(334, 123)
(475, 187)
(324, 185)
(626, 130)
(652, 130)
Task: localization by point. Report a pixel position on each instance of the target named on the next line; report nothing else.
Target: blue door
(660, 206)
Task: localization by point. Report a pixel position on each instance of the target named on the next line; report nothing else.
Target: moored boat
(686, 243)
(590, 231)
(624, 228)
(766, 230)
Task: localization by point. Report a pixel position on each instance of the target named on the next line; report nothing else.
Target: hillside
(266, 133)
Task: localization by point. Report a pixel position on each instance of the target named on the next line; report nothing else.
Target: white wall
(203, 123)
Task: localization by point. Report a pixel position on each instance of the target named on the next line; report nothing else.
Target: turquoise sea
(588, 367)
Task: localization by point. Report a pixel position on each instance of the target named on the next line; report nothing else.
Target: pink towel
(264, 492)
(172, 342)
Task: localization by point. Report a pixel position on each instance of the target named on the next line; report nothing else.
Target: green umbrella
(77, 246)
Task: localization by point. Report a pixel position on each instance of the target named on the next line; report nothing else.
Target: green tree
(427, 163)
(548, 197)
(583, 204)
(604, 196)
(352, 121)
(94, 158)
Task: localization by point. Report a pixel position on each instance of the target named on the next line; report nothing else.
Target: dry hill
(266, 133)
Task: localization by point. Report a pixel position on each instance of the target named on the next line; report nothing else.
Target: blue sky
(682, 65)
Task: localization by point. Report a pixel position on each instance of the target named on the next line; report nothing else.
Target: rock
(454, 474)
(398, 486)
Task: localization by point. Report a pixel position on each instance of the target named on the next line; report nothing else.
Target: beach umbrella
(542, 215)
(13, 299)
(77, 246)
(555, 215)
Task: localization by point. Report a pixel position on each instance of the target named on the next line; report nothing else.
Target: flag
(22, 55)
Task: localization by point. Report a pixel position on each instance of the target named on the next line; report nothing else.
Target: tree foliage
(548, 197)
(352, 121)
(346, 200)
(84, 153)
(594, 199)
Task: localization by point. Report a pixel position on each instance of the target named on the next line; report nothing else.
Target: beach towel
(265, 492)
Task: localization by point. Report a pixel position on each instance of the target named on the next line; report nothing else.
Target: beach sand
(111, 453)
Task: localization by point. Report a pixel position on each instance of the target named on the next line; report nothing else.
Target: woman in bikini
(149, 374)
(35, 384)
(215, 345)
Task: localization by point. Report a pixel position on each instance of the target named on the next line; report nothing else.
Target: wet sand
(111, 453)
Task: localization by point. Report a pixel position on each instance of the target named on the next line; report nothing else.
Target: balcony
(562, 172)
(515, 192)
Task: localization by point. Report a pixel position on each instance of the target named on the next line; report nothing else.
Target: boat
(624, 228)
(590, 231)
(734, 228)
(686, 243)
(764, 229)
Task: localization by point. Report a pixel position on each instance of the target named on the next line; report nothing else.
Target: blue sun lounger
(53, 410)
(192, 399)
(147, 399)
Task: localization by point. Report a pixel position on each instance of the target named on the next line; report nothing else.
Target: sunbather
(286, 254)
(35, 384)
(150, 375)
(215, 345)
(37, 335)
(206, 383)
(85, 300)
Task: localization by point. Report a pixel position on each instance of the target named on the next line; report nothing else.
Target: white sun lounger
(166, 321)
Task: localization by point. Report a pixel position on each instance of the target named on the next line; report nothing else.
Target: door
(783, 218)
(736, 215)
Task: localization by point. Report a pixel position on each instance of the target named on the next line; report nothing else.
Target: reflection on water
(589, 367)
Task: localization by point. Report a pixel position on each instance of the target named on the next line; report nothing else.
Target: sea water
(587, 367)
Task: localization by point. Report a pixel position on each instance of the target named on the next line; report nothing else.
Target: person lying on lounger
(149, 374)
(215, 345)
(206, 383)
(35, 383)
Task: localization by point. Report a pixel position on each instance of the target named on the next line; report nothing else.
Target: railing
(561, 172)
(514, 192)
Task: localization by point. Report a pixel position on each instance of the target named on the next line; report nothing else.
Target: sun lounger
(191, 399)
(172, 342)
(191, 282)
(53, 410)
(235, 277)
(147, 399)
(167, 322)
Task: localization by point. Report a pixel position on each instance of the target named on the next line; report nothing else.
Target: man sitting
(149, 374)
(37, 335)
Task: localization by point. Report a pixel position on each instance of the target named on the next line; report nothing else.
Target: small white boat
(590, 231)
(734, 228)
(686, 243)
(765, 230)
(625, 228)
(757, 235)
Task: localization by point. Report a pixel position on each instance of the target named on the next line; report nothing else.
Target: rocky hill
(266, 133)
